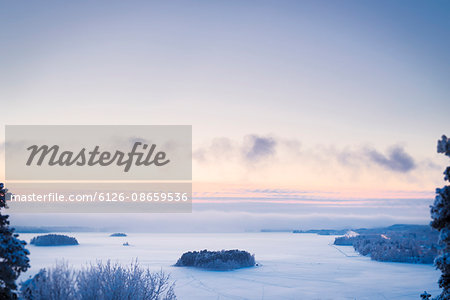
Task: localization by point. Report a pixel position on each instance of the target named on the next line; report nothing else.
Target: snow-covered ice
(291, 266)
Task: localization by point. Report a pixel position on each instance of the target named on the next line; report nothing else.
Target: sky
(301, 110)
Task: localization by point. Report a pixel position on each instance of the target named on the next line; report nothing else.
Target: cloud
(252, 149)
(262, 151)
(396, 160)
(258, 147)
(219, 148)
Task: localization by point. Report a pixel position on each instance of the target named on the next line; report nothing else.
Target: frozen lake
(292, 266)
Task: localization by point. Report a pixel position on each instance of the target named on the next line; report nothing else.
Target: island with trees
(223, 260)
(118, 234)
(53, 240)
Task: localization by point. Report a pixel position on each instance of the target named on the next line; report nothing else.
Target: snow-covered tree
(440, 213)
(106, 281)
(425, 295)
(13, 255)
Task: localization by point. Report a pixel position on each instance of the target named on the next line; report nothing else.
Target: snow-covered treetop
(444, 146)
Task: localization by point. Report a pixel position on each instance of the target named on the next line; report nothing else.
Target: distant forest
(118, 234)
(397, 243)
